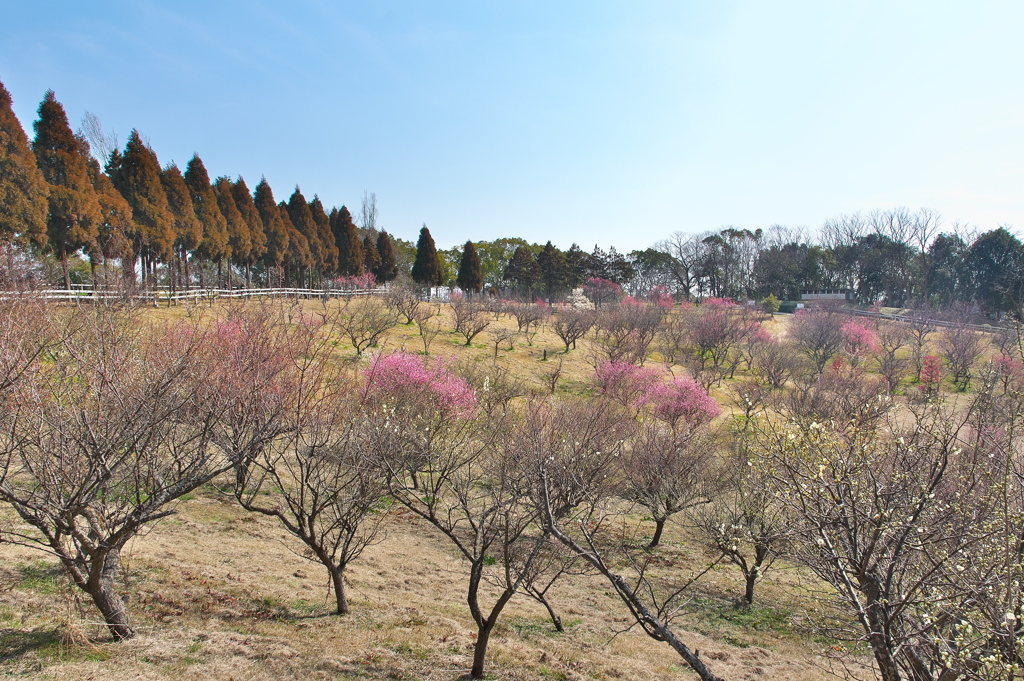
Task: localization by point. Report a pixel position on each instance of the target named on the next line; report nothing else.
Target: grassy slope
(218, 594)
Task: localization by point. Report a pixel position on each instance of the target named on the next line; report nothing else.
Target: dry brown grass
(218, 594)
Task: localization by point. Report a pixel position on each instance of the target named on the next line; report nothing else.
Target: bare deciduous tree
(124, 418)
(364, 321)
(744, 523)
(920, 327)
(320, 481)
(667, 471)
(625, 332)
(471, 317)
(776, 362)
(466, 492)
(528, 315)
(500, 335)
(960, 347)
(893, 365)
(404, 301)
(430, 328)
(571, 324)
(818, 334)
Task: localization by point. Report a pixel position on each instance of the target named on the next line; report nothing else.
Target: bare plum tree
(364, 321)
(471, 316)
(669, 471)
(404, 301)
(440, 464)
(124, 417)
(571, 324)
(818, 334)
(319, 480)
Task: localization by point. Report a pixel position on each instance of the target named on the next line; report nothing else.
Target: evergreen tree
(274, 227)
(325, 236)
(188, 231)
(576, 266)
(552, 269)
(136, 174)
(371, 258)
(239, 239)
(302, 220)
(427, 270)
(945, 269)
(522, 269)
(388, 268)
(257, 237)
(995, 264)
(116, 226)
(214, 245)
(346, 238)
(74, 210)
(299, 258)
(23, 189)
(470, 276)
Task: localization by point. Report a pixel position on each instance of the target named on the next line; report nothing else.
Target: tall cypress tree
(276, 231)
(214, 245)
(188, 231)
(74, 210)
(257, 236)
(299, 258)
(239, 240)
(23, 189)
(427, 269)
(346, 238)
(325, 236)
(116, 226)
(471, 276)
(136, 174)
(388, 268)
(371, 257)
(302, 220)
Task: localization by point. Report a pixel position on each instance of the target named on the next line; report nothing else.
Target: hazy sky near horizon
(615, 123)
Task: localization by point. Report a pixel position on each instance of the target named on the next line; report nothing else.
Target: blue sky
(596, 122)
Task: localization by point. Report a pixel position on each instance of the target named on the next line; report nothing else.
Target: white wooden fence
(165, 296)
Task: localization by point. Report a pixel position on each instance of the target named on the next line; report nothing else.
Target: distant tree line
(894, 257)
(181, 228)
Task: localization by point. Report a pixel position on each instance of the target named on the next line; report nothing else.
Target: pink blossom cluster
(356, 282)
(402, 377)
(859, 338)
(661, 297)
(626, 382)
(754, 332)
(1011, 370)
(683, 400)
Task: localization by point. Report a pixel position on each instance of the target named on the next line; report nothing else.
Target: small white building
(843, 294)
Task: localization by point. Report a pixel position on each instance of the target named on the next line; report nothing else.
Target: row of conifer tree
(55, 196)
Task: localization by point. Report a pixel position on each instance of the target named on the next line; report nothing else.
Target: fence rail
(166, 295)
(943, 323)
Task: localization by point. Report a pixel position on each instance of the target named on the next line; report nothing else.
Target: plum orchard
(909, 509)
